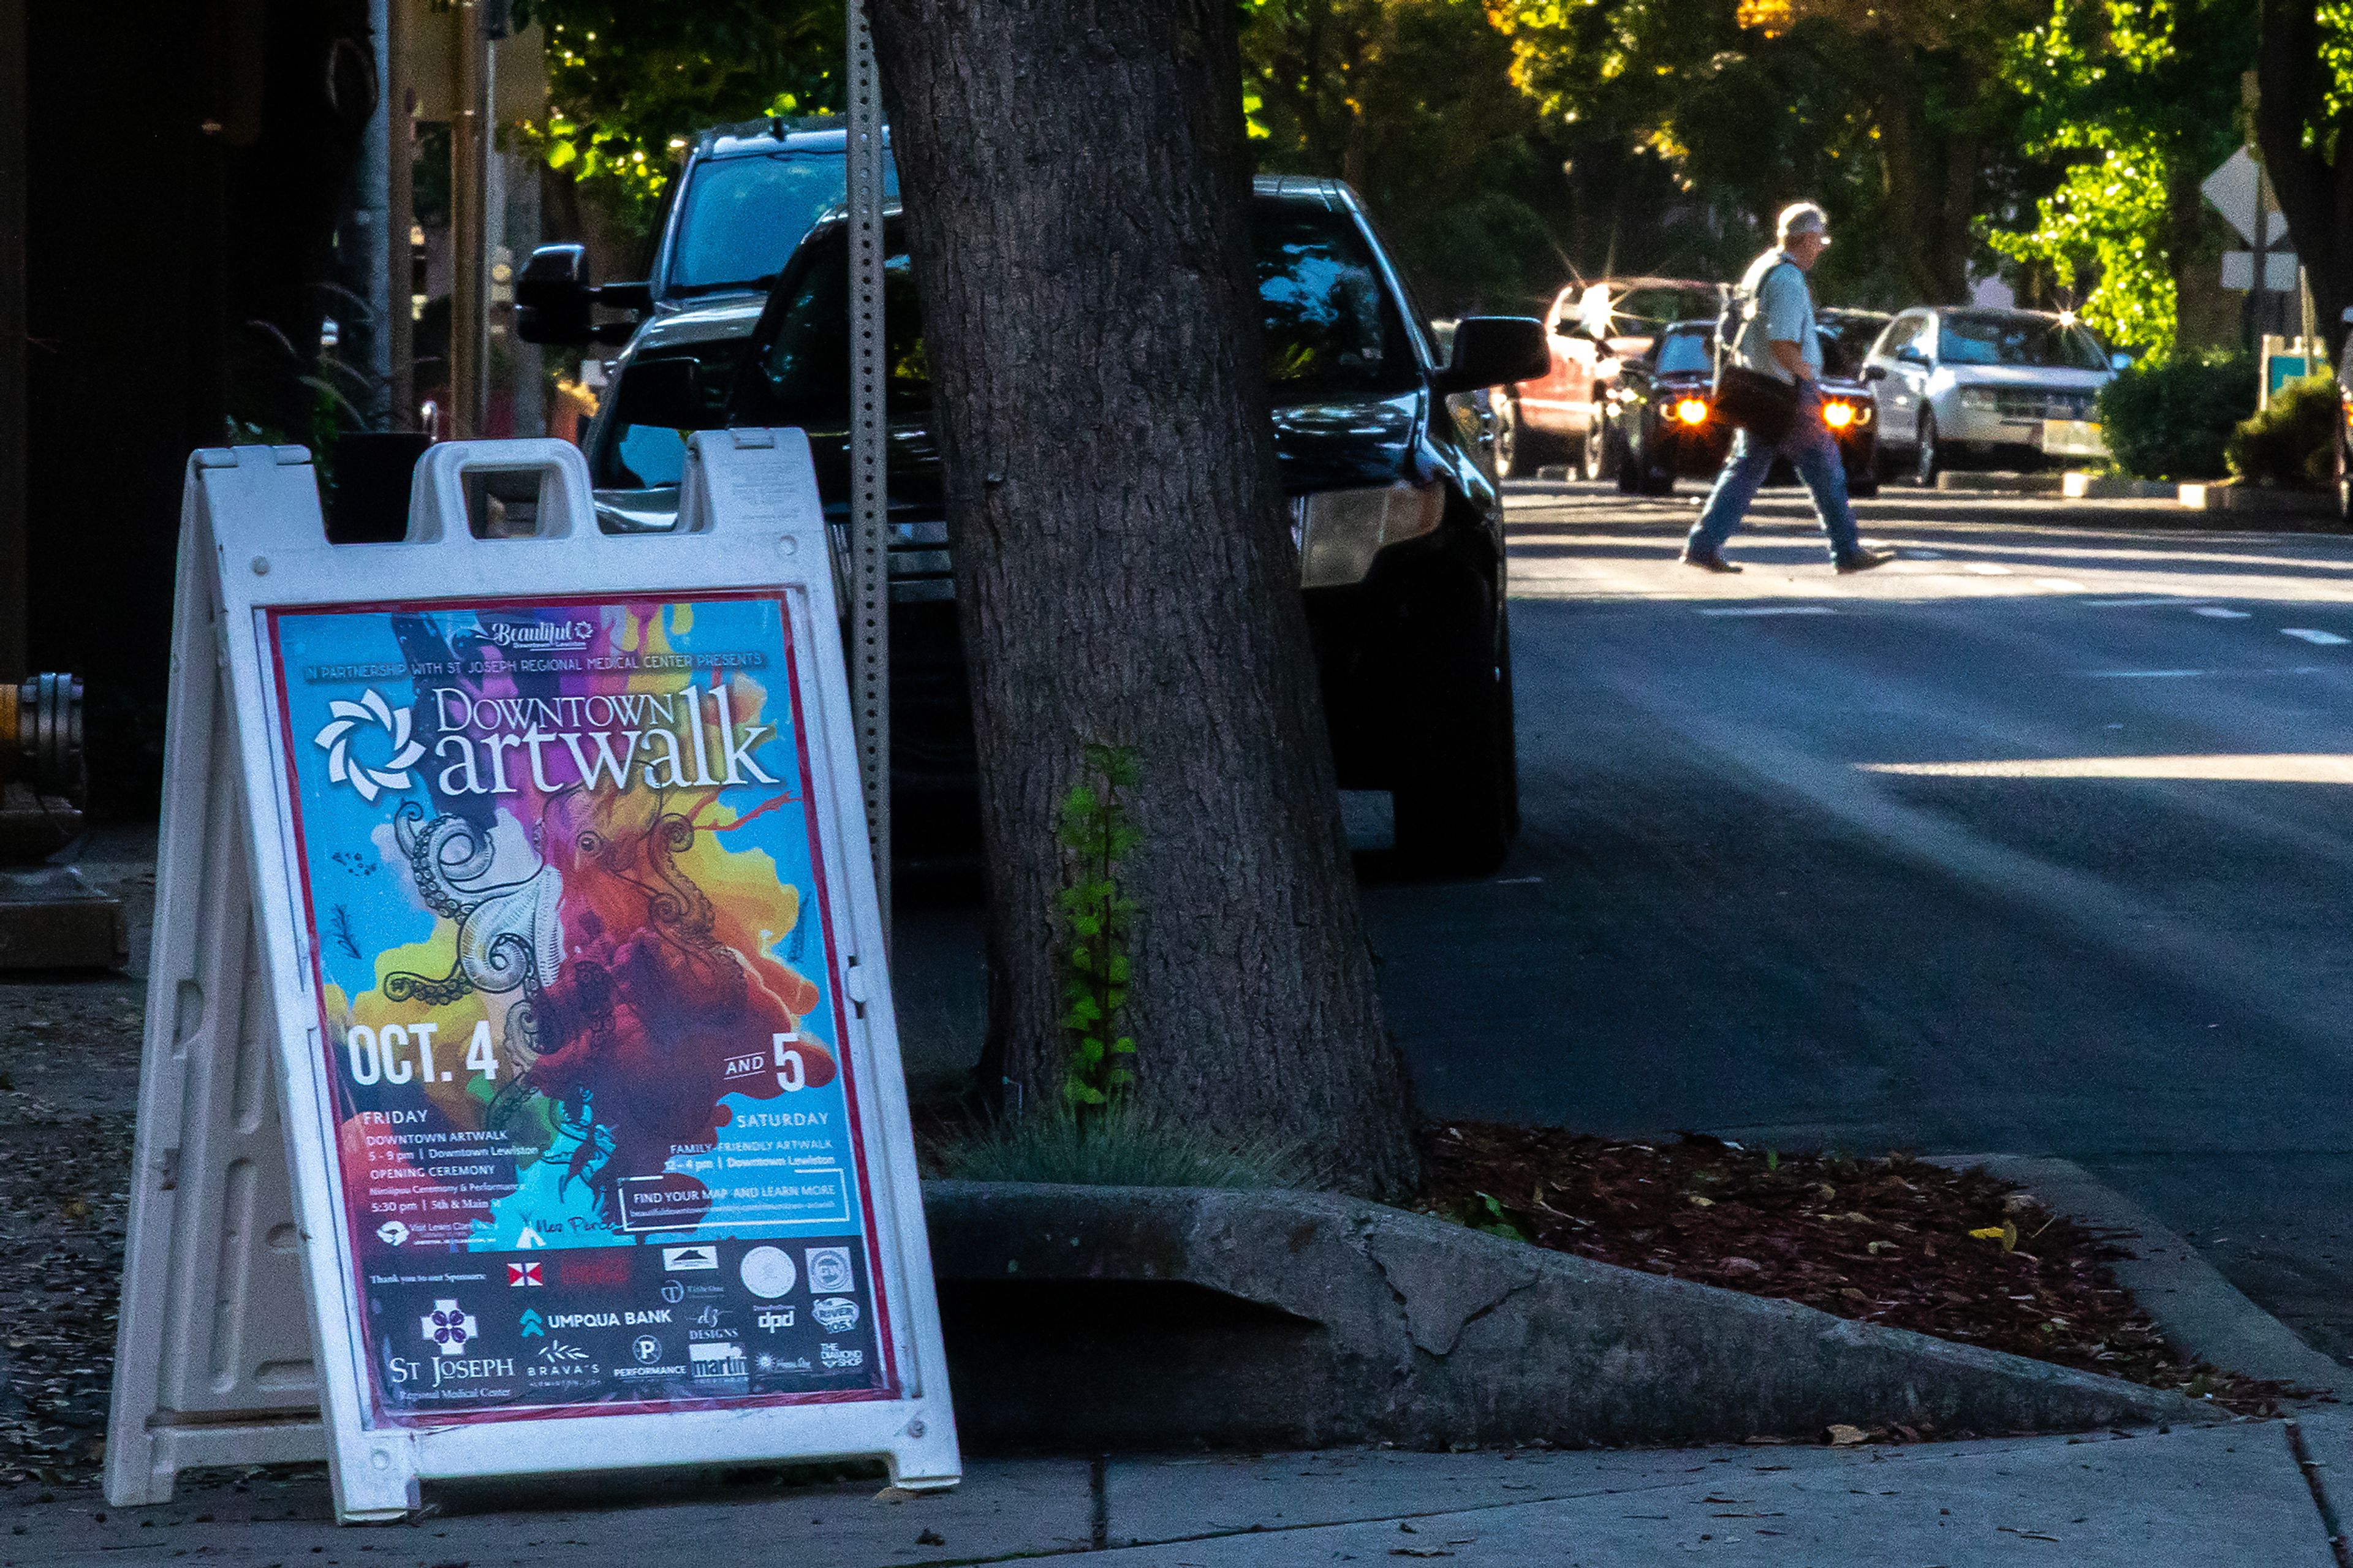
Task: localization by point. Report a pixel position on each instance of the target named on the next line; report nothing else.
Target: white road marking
(2140, 602)
(1515, 882)
(2317, 638)
(2059, 585)
(2144, 674)
(1924, 555)
(2278, 767)
(2218, 612)
(1986, 569)
(1775, 610)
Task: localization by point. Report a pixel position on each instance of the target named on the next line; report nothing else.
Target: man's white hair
(1800, 217)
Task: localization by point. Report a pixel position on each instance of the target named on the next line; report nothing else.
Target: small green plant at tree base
(1489, 1213)
(2292, 442)
(1095, 827)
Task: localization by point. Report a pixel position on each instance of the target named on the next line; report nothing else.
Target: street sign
(2233, 190)
(528, 864)
(2279, 270)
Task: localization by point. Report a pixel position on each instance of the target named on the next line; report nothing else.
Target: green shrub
(2291, 442)
(2170, 419)
(1116, 1146)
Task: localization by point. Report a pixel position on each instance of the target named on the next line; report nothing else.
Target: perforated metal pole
(870, 559)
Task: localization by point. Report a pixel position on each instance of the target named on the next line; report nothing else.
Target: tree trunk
(1904, 178)
(2315, 196)
(2185, 218)
(1076, 190)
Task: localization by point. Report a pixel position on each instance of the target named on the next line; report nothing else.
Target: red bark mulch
(1956, 1254)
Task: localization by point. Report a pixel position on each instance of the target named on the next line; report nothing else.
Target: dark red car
(1593, 328)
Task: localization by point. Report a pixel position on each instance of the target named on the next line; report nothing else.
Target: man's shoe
(1710, 562)
(1864, 560)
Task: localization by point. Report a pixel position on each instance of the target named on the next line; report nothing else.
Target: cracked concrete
(1130, 1318)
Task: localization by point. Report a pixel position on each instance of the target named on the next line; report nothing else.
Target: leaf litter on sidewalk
(1957, 1254)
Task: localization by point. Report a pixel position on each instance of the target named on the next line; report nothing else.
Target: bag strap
(1753, 300)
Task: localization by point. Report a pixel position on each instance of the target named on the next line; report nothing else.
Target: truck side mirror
(553, 300)
(553, 296)
(1494, 351)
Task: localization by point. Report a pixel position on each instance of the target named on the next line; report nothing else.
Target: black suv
(1385, 452)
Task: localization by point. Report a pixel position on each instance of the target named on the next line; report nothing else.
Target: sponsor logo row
(766, 1271)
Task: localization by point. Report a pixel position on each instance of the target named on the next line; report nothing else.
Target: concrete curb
(1130, 1318)
(2001, 484)
(2199, 1312)
(2259, 500)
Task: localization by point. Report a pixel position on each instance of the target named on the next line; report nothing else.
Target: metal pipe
(40, 733)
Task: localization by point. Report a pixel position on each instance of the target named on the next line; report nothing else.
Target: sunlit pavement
(2038, 840)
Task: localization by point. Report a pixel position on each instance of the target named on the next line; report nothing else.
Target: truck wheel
(1457, 799)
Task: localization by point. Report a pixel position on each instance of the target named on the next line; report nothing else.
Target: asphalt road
(2035, 841)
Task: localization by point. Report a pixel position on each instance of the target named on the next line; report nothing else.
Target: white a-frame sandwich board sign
(521, 1092)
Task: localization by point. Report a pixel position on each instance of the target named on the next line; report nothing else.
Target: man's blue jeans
(1811, 449)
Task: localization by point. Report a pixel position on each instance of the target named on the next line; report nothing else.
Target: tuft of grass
(1116, 1146)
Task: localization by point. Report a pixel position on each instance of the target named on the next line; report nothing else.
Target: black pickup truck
(1385, 451)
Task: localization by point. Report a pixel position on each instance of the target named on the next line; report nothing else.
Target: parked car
(1592, 329)
(1385, 450)
(1659, 422)
(1961, 385)
(747, 194)
(1847, 336)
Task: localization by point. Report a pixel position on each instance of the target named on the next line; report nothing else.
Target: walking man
(1778, 339)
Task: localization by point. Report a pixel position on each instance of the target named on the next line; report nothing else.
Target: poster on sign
(569, 916)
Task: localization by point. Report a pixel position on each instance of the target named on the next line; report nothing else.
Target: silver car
(1971, 385)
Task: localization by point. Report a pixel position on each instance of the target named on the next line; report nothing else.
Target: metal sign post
(870, 549)
(519, 998)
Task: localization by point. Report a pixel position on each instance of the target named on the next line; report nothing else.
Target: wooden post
(400, 208)
(14, 177)
(469, 179)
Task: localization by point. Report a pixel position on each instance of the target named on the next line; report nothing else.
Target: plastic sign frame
(254, 561)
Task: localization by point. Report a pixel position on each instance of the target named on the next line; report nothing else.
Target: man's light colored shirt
(1785, 314)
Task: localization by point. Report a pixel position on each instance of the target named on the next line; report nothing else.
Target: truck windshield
(744, 215)
(1683, 353)
(1330, 327)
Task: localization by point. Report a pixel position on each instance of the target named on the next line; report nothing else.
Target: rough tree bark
(1076, 190)
(2315, 189)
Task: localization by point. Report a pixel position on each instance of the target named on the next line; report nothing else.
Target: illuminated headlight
(1839, 413)
(1340, 532)
(1689, 410)
(1984, 399)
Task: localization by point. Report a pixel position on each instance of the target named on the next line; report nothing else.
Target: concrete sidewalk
(2208, 1497)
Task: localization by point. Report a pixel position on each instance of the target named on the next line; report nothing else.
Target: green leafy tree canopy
(629, 83)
